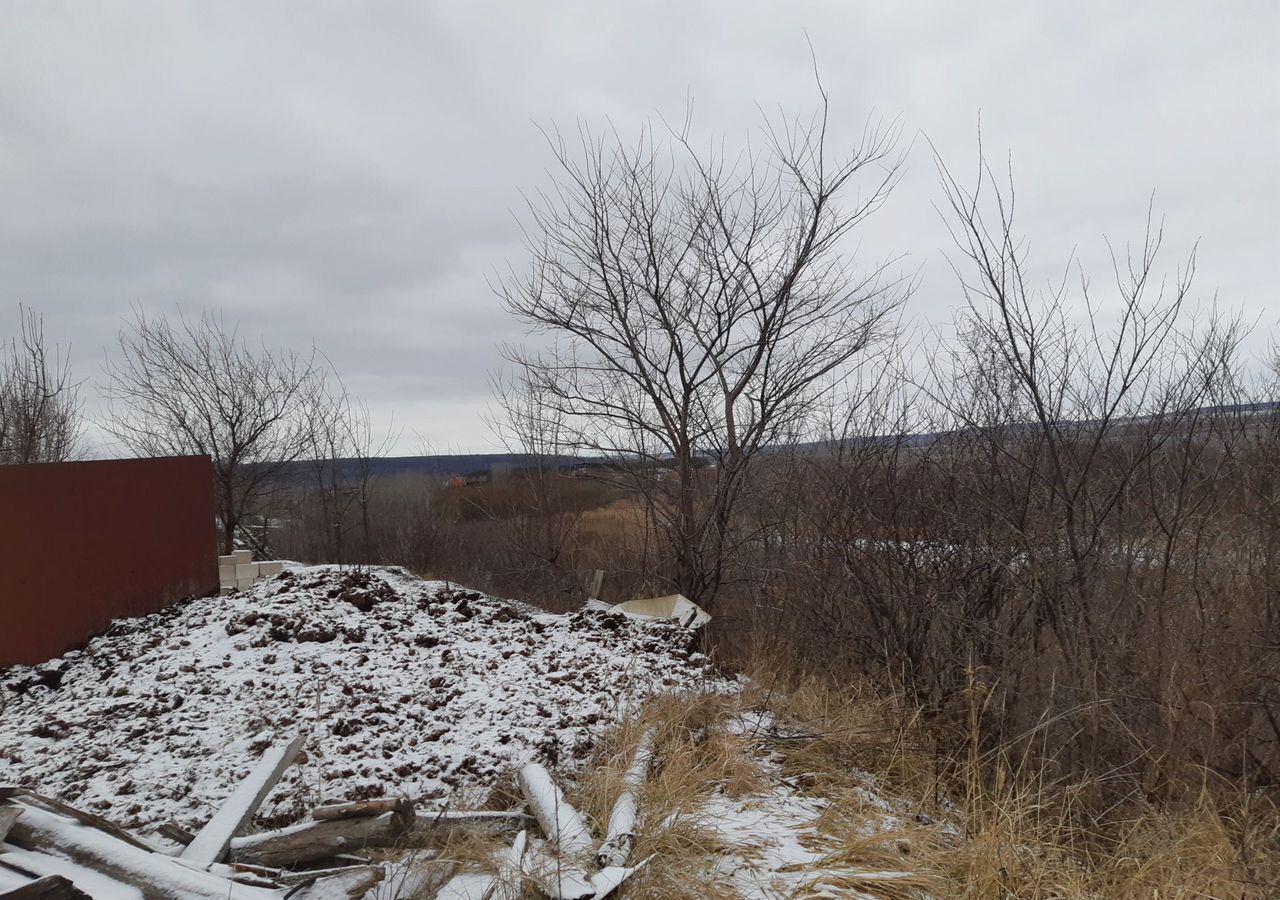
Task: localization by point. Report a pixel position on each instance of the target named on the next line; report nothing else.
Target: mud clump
(362, 590)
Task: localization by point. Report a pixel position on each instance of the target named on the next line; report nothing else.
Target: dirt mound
(401, 686)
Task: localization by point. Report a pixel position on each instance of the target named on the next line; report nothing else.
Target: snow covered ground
(401, 686)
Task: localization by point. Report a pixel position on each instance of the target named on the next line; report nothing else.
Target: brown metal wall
(83, 543)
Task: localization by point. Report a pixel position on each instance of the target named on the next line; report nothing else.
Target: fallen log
(621, 835)
(50, 887)
(105, 856)
(311, 841)
(442, 824)
(561, 823)
(360, 809)
(29, 799)
(210, 844)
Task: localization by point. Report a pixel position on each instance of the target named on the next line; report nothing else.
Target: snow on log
(561, 823)
(312, 841)
(106, 857)
(363, 808)
(33, 865)
(50, 887)
(621, 836)
(210, 845)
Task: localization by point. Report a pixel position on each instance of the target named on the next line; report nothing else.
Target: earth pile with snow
(401, 686)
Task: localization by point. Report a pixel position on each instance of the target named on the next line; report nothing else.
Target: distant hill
(463, 464)
(443, 466)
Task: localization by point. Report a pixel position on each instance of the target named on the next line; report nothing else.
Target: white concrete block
(243, 557)
(269, 568)
(227, 560)
(247, 570)
(243, 584)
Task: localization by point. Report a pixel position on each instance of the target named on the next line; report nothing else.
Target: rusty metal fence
(83, 543)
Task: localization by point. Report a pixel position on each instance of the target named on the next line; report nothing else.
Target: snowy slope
(401, 686)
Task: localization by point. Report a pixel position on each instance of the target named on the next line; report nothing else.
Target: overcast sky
(349, 174)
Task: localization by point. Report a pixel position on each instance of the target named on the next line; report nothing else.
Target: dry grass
(900, 823)
(694, 757)
(1004, 830)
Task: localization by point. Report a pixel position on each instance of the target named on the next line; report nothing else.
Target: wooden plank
(210, 845)
(50, 887)
(56, 839)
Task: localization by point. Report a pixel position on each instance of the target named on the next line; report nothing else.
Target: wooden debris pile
(51, 850)
(568, 865)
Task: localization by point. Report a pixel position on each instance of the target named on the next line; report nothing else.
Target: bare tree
(702, 306)
(39, 403)
(340, 464)
(197, 387)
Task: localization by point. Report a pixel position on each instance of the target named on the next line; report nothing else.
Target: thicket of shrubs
(1081, 609)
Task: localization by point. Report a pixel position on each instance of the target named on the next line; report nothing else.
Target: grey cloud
(346, 173)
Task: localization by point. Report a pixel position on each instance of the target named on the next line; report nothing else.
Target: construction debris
(210, 845)
(47, 853)
(616, 849)
(309, 842)
(238, 572)
(677, 607)
(561, 823)
(51, 850)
